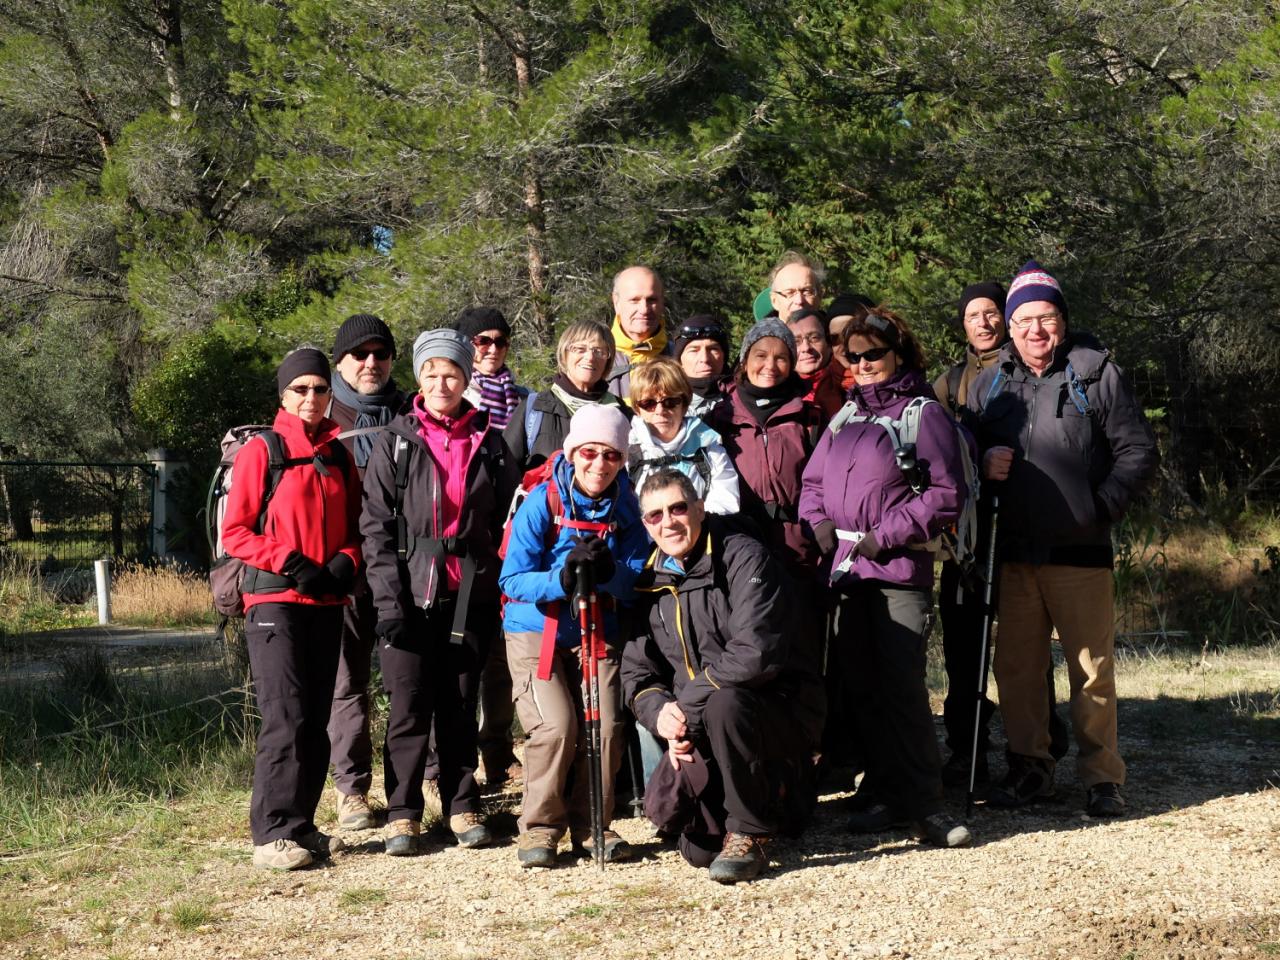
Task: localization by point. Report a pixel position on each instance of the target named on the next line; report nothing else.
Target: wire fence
(61, 515)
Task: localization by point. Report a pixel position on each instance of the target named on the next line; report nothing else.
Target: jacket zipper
(1031, 418)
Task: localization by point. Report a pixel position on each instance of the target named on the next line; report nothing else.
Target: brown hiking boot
(281, 854)
(354, 812)
(741, 858)
(616, 850)
(470, 830)
(537, 847)
(402, 837)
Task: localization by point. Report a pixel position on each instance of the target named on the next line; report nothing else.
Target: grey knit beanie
(769, 327)
(446, 344)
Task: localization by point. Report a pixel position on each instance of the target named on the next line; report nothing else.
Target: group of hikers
(757, 532)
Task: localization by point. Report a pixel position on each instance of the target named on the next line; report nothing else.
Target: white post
(102, 578)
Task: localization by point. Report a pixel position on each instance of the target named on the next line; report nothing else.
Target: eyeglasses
(989, 316)
(650, 404)
(813, 339)
(1049, 321)
(378, 353)
(871, 356)
(581, 350)
(301, 391)
(480, 340)
(590, 453)
(678, 509)
(807, 292)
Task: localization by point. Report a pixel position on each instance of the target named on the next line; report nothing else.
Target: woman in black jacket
(431, 524)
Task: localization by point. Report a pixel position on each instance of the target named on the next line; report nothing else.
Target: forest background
(189, 188)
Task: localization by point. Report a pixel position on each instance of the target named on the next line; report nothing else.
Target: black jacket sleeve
(1134, 453)
(646, 678)
(378, 528)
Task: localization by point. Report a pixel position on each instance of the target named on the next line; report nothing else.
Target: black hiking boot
(741, 858)
(1028, 780)
(955, 772)
(942, 831)
(1104, 800)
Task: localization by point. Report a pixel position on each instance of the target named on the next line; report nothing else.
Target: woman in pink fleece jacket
(432, 522)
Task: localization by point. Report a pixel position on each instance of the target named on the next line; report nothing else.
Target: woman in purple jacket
(873, 512)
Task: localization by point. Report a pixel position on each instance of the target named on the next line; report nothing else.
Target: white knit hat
(598, 423)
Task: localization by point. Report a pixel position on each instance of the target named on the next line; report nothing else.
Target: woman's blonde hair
(580, 331)
(660, 377)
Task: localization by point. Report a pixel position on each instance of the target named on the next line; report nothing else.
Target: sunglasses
(379, 353)
(590, 453)
(651, 404)
(319, 391)
(481, 340)
(678, 509)
(871, 356)
(703, 333)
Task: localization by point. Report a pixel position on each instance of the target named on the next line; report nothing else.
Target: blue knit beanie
(1033, 283)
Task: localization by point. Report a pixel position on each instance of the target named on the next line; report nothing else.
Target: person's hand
(679, 751)
(671, 724)
(579, 553)
(602, 562)
(825, 536)
(310, 579)
(393, 633)
(868, 546)
(342, 571)
(996, 463)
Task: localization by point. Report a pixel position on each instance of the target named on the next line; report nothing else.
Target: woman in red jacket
(301, 554)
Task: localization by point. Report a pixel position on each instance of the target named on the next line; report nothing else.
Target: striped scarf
(498, 395)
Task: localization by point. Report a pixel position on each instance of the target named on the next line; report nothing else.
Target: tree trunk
(535, 229)
(168, 50)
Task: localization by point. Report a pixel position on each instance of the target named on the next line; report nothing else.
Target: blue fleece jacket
(530, 576)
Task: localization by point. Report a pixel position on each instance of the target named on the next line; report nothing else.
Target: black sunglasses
(703, 333)
(319, 390)
(871, 356)
(378, 353)
(480, 340)
(650, 404)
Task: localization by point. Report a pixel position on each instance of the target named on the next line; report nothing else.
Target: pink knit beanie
(598, 423)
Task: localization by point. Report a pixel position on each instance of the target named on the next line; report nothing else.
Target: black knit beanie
(846, 304)
(361, 328)
(475, 320)
(299, 363)
(991, 289)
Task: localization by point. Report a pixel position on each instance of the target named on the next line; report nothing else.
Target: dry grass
(159, 597)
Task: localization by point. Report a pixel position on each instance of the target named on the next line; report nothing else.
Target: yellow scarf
(639, 351)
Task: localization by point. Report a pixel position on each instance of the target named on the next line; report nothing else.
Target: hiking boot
(321, 845)
(741, 858)
(1104, 800)
(280, 855)
(432, 807)
(402, 837)
(873, 819)
(616, 850)
(354, 812)
(955, 772)
(537, 847)
(941, 831)
(470, 830)
(1028, 780)
(497, 775)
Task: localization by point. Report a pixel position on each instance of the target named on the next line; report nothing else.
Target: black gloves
(594, 552)
(311, 580)
(868, 546)
(343, 573)
(825, 535)
(601, 559)
(394, 633)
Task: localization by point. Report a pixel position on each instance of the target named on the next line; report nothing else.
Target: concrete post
(163, 507)
(102, 581)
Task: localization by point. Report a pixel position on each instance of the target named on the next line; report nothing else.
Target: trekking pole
(988, 617)
(585, 596)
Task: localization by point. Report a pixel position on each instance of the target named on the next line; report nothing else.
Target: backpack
(230, 577)
(698, 458)
(959, 541)
(532, 423)
(545, 473)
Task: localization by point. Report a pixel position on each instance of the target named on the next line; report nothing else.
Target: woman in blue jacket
(585, 514)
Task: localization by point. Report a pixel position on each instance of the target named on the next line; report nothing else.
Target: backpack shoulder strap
(954, 376)
(276, 463)
(909, 422)
(1076, 392)
(845, 415)
(532, 422)
(997, 384)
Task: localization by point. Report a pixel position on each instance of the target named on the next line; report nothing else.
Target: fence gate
(69, 514)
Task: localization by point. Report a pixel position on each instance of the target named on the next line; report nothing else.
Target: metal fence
(62, 515)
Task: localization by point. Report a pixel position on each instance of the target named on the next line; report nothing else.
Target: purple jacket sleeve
(918, 519)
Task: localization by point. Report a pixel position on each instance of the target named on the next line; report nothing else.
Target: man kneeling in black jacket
(714, 671)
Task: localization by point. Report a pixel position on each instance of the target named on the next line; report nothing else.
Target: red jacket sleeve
(240, 521)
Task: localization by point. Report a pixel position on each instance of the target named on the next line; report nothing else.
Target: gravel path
(1192, 872)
